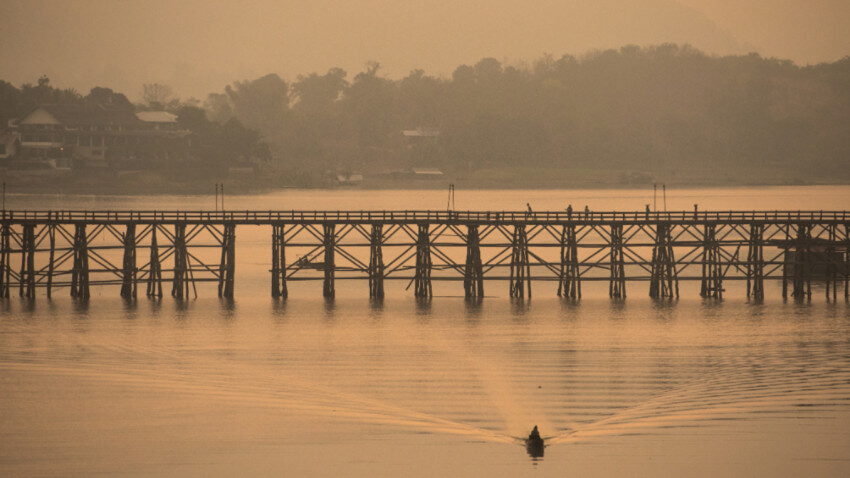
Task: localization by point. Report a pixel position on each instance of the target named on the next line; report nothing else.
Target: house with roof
(96, 135)
(158, 120)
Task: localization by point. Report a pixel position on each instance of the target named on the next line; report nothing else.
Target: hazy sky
(199, 46)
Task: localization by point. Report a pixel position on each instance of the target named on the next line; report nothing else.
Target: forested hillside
(667, 112)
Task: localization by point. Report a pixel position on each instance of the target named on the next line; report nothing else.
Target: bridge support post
(802, 284)
(755, 262)
(520, 268)
(27, 275)
(569, 284)
(847, 261)
(80, 270)
(422, 275)
(617, 284)
(227, 266)
(5, 259)
(786, 270)
(279, 290)
(154, 288)
(329, 288)
(711, 285)
(664, 282)
(832, 261)
(179, 284)
(473, 277)
(128, 280)
(376, 263)
(51, 233)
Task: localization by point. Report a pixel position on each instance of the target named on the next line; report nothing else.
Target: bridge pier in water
(128, 282)
(422, 267)
(617, 285)
(5, 259)
(80, 272)
(755, 262)
(520, 268)
(832, 263)
(473, 277)
(154, 282)
(27, 282)
(328, 286)
(376, 263)
(569, 284)
(51, 261)
(711, 285)
(664, 282)
(802, 282)
(279, 289)
(227, 267)
(180, 282)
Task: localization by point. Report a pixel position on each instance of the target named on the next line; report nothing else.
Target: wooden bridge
(80, 249)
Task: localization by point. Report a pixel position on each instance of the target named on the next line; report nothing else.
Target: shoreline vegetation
(628, 117)
(158, 182)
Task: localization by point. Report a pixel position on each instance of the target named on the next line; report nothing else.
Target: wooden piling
(5, 259)
(376, 263)
(154, 288)
(27, 274)
(520, 269)
(422, 272)
(802, 284)
(711, 285)
(80, 272)
(128, 278)
(51, 260)
(569, 284)
(846, 257)
(179, 284)
(227, 266)
(329, 241)
(664, 280)
(617, 283)
(473, 277)
(832, 262)
(279, 288)
(755, 262)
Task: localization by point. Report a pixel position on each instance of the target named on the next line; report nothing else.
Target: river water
(352, 387)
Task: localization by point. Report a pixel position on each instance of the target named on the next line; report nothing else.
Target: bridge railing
(268, 216)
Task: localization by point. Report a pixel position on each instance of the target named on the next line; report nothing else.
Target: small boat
(534, 444)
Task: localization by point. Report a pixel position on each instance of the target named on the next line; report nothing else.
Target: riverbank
(104, 182)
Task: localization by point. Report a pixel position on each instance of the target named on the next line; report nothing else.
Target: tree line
(661, 110)
(664, 109)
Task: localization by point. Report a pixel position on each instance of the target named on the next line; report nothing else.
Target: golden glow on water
(155, 388)
(351, 387)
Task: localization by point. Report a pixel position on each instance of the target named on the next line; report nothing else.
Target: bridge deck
(265, 217)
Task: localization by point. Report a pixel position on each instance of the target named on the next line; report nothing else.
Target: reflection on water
(110, 375)
(419, 387)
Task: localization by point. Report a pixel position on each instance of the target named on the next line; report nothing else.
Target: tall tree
(156, 95)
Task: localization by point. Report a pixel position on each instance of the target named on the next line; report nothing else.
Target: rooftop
(156, 117)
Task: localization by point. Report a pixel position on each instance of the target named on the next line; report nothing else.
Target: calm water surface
(307, 387)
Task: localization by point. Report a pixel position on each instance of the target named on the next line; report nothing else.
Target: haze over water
(256, 387)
